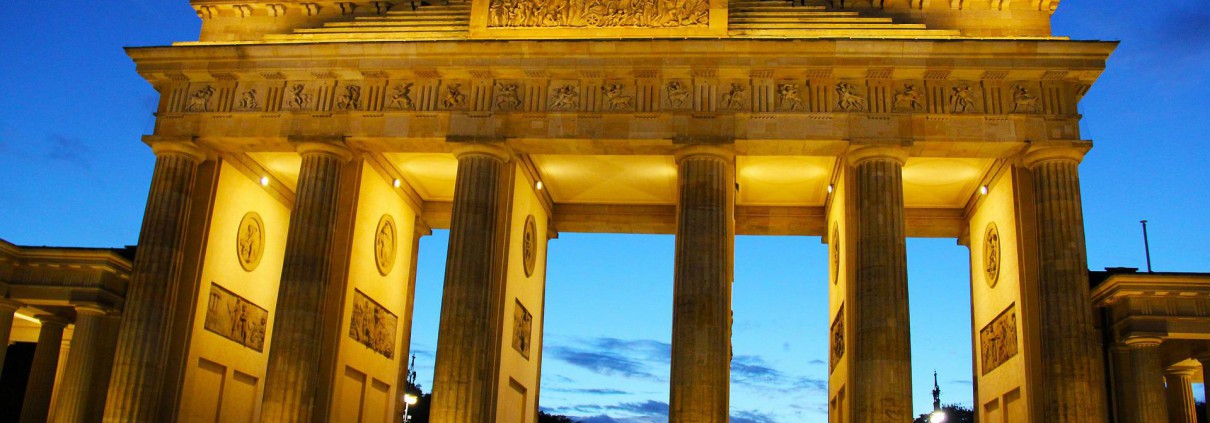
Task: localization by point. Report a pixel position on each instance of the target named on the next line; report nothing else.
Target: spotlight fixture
(398, 183)
(983, 190)
(264, 181)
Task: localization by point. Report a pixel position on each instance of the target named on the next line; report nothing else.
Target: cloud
(590, 391)
(751, 416)
(68, 150)
(962, 382)
(603, 362)
(752, 372)
(648, 408)
(651, 349)
(817, 362)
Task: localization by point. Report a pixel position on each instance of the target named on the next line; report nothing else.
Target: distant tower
(936, 393)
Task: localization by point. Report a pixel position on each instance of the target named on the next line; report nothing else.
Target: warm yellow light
(937, 417)
(27, 318)
(398, 183)
(983, 190)
(538, 185)
(409, 399)
(264, 181)
(830, 189)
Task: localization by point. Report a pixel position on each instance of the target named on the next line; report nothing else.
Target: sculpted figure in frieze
(454, 98)
(200, 100)
(614, 99)
(678, 95)
(351, 99)
(598, 13)
(248, 100)
(1024, 101)
(910, 99)
(298, 98)
(962, 99)
(734, 98)
(565, 98)
(507, 97)
(401, 97)
(788, 98)
(850, 101)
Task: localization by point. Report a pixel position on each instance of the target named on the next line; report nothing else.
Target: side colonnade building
(304, 148)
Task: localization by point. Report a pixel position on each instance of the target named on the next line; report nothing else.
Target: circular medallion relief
(250, 241)
(529, 245)
(835, 247)
(991, 254)
(384, 244)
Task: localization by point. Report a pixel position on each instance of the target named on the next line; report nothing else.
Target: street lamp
(408, 400)
(937, 417)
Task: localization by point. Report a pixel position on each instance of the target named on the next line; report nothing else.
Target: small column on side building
(882, 346)
(1205, 360)
(1071, 363)
(1179, 381)
(7, 309)
(79, 383)
(464, 378)
(701, 319)
(1123, 379)
(293, 378)
(41, 383)
(138, 365)
(1148, 382)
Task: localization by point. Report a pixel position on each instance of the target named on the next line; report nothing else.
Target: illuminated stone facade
(507, 121)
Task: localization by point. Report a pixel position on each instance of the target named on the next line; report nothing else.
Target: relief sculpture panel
(598, 13)
(998, 340)
(836, 338)
(236, 318)
(373, 325)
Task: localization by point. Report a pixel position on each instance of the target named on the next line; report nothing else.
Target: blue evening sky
(74, 173)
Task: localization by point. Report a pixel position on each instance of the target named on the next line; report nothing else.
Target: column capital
(52, 320)
(163, 146)
(88, 308)
(861, 154)
(1039, 152)
(1183, 371)
(498, 151)
(331, 146)
(1143, 341)
(723, 152)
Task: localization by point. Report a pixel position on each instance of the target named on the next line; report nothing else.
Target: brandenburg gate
(304, 147)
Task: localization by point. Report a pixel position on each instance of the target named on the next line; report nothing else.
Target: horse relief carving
(200, 100)
(850, 100)
(401, 97)
(614, 100)
(910, 99)
(734, 98)
(1024, 101)
(351, 99)
(678, 95)
(298, 98)
(962, 99)
(454, 98)
(248, 100)
(565, 98)
(506, 97)
(788, 98)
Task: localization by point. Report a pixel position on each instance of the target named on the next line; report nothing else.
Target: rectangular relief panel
(597, 18)
(523, 324)
(998, 340)
(236, 318)
(836, 351)
(373, 325)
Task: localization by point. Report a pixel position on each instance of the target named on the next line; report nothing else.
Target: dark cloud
(590, 391)
(651, 350)
(817, 362)
(962, 382)
(646, 408)
(597, 419)
(69, 150)
(607, 363)
(752, 372)
(751, 416)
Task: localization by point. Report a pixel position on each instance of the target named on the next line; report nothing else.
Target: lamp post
(408, 401)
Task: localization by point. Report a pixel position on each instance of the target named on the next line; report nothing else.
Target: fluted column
(138, 366)
(1205, 360)
(882, 346)
(7, 309)
(1123, 382)
(1070, 360)
(1179, 390)
(701, 313)
(1148, 395)
(41, 383)
(78, 384)
(463, 377)
(293, 376)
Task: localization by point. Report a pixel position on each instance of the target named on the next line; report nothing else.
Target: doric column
(1205, 360)
(701, 313)
(1123, 382)
(138, 366)
(76, 390)
(1181, 408)
(463, 377)
(7, 309)
(293, 376)
(1070, 359)
(1148, 395)
(882, 346)
(41, 383)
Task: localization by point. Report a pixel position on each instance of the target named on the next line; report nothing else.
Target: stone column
(1123, 382)
(701, 313)
(7, 308)
(76, 390)
(882, 346)
(1070, 385)
(1148, 394)
(1181, 408)
(138, 365)
(293, 376)
(463, 377)
(1205, 360)
(41, 383)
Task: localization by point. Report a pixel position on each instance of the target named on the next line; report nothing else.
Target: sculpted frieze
(507, 96)
(998, 340)
(788, 98)
(1024, 99)
(964, 98)
(850, 98)
(836, 339)
(909, 99)
(399, 96)
(598, 13)
(235, 318)
(678, 94)
(564, 96)
(373, 325)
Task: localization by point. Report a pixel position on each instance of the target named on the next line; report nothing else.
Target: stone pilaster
(41, 383)
(1148, 396)
(77, 387)
(138, 365)
(882, 346)
(7, 309)
(1181, 408)
(1070, 359)
(293, 378)
(1205, 360)
(1123, 379)
(701, 315)
(464, 378)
